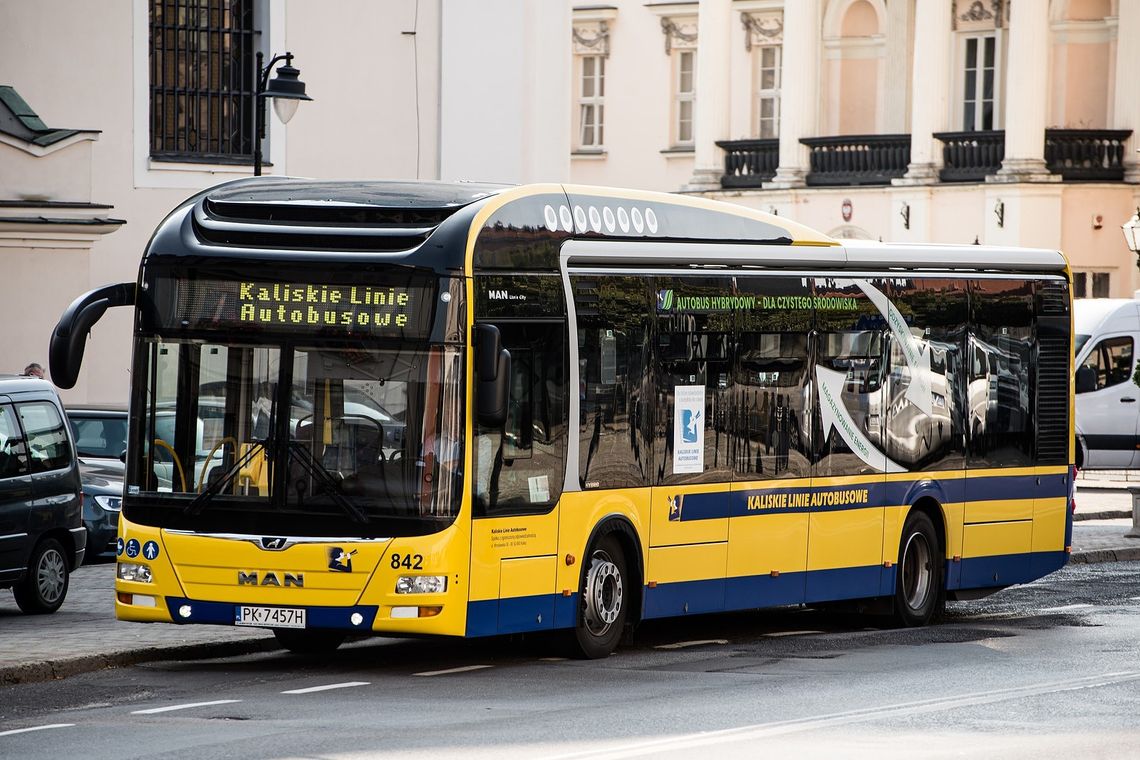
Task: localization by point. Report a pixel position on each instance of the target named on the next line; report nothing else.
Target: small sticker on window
(539, 488)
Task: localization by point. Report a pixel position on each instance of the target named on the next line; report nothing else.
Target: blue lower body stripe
(551, 612)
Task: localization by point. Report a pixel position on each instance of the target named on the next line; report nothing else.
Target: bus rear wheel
(603, 600)
(919, 595)
(309, 641)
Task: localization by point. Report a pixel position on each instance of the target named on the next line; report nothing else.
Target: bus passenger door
(688, 536)
(845, 535)
(517, 479)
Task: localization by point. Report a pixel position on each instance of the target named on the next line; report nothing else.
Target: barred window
(202, 80)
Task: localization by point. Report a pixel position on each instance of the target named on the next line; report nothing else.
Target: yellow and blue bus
(464, 410)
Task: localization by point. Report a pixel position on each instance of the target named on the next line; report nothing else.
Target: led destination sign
(402, 309)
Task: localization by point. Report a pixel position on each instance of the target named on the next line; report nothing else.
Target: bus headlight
(421, 584)
(131, 571)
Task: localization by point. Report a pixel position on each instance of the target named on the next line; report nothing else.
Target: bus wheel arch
(920, 573)
(609, 587)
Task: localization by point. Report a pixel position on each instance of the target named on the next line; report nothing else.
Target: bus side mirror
(492, 377)
(69, 338)
(1086, 379)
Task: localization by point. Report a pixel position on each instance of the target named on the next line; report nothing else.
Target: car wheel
(44, 586)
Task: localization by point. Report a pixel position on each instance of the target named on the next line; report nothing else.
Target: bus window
(521, 466)
(612, 381)
(378, 429)
(692, 349)
(925, 432)
(1001, 339)
(771, 378)
(850, 356)
(205, 405)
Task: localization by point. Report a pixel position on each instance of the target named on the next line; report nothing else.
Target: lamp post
(287, 91)
(1131, 230)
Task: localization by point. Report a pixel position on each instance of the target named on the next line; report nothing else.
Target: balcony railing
(1086, 154)
(749, 163)
(970, 156)
(1076, 154)
(857, 159)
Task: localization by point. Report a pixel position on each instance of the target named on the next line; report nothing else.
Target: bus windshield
(298, 439)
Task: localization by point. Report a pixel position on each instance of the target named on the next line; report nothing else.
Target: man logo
(675, 508)
(274, 543)
(664, 300)
(271, 579)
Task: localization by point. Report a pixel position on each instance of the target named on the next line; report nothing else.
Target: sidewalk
(84, 635)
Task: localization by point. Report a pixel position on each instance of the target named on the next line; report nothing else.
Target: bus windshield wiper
(203, 499)
(300, 453)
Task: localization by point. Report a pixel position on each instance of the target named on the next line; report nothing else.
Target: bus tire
(315, 641)
(919, 593)
(44, 585)
(603, 600)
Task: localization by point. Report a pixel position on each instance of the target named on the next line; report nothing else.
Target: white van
(1108, 398)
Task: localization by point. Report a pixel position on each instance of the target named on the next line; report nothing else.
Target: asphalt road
(1045, 669)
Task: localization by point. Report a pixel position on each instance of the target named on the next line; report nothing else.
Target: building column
(1126, 103)
(714, 56)
(799, 103)
(1026, 94)
(930, 102)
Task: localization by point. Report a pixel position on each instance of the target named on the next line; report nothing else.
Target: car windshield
(315, 436)
(102, 436)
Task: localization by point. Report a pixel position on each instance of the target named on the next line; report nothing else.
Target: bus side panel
(996, 554)
(496, 599)
(685, 579)
(525, 600)
(845, 546)
(767, 552)
(579, 514)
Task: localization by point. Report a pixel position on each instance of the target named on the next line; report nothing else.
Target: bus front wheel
(918, 583)
(603, 601)
(308, 641)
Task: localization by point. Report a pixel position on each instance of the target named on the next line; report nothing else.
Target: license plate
(270, 617)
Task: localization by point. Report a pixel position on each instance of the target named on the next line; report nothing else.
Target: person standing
(34, 370)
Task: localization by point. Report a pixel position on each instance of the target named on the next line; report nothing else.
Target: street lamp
(287, 91)
(1131, 230)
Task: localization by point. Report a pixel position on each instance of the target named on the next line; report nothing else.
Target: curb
(1125, 554)
(50, 670)
(1108, 514)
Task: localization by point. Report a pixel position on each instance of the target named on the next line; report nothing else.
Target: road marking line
(797, 725)
(171, 708)
(684, 644)
(464, 669)
(1066, 608)
(311, 689)
(35, 728)
(778, 634)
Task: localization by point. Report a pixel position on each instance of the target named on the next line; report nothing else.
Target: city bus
(453, 409)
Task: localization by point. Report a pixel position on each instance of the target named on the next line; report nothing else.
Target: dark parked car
(100, 432)
(42, 538)
(102, 502)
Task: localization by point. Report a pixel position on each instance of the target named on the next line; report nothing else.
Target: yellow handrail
(205, 465)
(177, 462)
